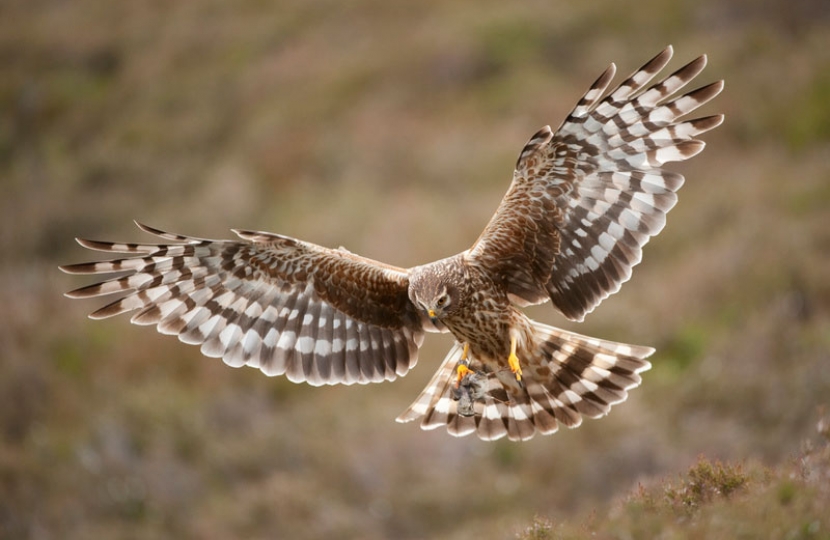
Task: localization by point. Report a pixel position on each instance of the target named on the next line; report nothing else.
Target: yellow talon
(463, 368)
(513, 360)
(460, 372)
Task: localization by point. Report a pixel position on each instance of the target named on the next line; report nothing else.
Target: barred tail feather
(568, 376)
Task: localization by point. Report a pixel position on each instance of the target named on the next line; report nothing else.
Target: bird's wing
(284, 306)
(586, 199)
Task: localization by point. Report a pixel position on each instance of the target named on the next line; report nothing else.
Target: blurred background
(390, 129)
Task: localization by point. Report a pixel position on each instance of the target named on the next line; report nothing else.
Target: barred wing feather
(586, 198)
(276, 303)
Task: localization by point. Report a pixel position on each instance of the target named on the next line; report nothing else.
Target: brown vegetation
(391, 129)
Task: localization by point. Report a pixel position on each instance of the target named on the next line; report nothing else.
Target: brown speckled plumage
(583, 202)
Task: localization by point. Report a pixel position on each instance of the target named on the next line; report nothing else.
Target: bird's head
(433, 291)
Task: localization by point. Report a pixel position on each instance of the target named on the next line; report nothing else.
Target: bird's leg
(513, 360)
(463, 365)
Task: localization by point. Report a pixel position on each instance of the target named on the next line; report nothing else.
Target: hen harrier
(583, 202)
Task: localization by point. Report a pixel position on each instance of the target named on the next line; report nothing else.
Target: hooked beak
(432, 316)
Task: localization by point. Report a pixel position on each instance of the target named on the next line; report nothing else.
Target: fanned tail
(568, 377)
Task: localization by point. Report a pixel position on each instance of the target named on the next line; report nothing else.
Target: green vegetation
(391, 129)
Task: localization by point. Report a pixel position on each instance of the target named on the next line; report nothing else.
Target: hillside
(392, 130)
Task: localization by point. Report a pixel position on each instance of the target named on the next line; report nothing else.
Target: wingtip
(662, 58)
(87, 243)
(146, 228)
(244, 233)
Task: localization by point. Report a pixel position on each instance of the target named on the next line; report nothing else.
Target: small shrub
(704, 482)
(540, 529)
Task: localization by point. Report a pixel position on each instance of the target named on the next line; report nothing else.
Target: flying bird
(583, 202)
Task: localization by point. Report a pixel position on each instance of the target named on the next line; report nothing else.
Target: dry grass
(392, 130)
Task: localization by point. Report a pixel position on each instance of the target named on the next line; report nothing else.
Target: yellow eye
(442, 301)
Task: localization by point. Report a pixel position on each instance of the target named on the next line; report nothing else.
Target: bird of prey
(583, 202)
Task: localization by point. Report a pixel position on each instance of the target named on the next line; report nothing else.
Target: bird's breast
(487, 331)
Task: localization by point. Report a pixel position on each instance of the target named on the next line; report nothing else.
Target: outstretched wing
(586, 199)
(284, 306)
